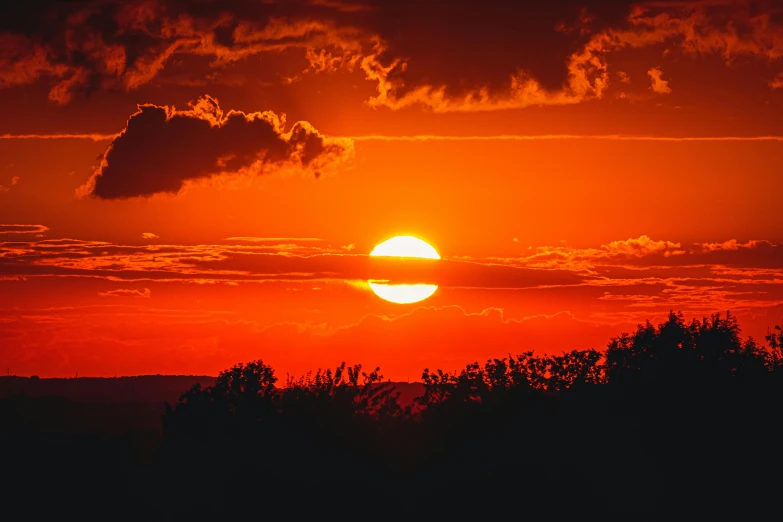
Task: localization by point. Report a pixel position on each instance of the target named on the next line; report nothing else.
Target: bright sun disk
(403, 246)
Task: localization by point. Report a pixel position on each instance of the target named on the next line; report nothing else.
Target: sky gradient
(187, 185)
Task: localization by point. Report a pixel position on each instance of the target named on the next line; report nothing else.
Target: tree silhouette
(775, 343)
(678, 417)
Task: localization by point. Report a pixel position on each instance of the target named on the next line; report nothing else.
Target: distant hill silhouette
(143, 388)
(156, 389)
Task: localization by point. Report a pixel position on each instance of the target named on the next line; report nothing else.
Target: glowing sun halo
(403, 246)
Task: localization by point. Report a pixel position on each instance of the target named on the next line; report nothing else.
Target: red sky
(187, 185)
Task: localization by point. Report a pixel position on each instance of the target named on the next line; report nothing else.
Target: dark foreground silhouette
(675, 421)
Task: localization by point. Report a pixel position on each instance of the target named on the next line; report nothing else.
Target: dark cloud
(643, 257)
(282, 262)
(162, 148)
(445, 55)
(467, 46)
(627, 266)
(81, 47)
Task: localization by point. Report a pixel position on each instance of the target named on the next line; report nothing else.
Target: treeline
(676, 420)
(682, 413)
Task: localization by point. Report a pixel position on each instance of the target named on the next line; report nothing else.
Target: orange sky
(187, 185)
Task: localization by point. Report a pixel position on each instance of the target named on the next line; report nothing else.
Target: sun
(401, 293)
(403, 246)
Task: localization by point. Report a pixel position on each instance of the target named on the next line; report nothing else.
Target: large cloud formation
(450, 57)
(83, 46)
(162, 148)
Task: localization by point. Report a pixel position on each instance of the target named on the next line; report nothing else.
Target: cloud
(162, 148)
(487, 137)
(257, 262)
(82, 47)
(4, 188)
(78, 48)
(585, 260)
(659, 85)
(149, 235)
(523, 90)
(777, 82)
(253, 239)
(641, 246)
(697, 279)
(345, 6)
(732, 245)
(558, 137)
(620, 281)
(61, 136)
(730, 29)
(125, 292)
(643, 261)
(23, 229)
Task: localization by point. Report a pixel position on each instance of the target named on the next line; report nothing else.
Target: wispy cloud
(732, 245)
(126, 292)
(446, 137)
(23, 229)
(555, 137)
(65, 136)
(253, 239)
(658, 85)
(696, 277)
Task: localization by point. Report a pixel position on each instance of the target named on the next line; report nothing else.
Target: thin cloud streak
(59, 136)
(436, 137)
(16, 228)
(253, 239)
(553, 137)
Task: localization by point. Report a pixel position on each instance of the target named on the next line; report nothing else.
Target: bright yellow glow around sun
(402, 294)
(403, 246)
